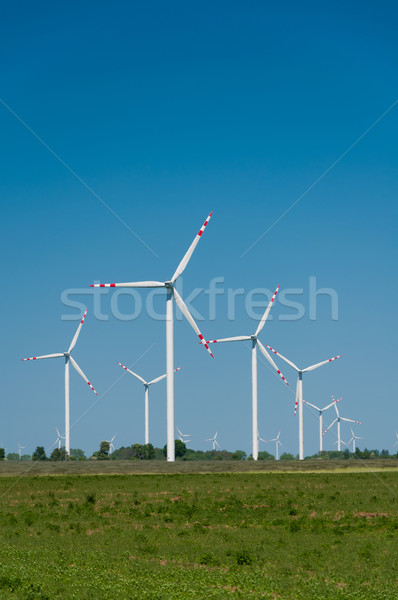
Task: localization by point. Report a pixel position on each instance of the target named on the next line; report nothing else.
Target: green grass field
(242, 535)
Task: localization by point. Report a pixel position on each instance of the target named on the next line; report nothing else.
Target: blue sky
(166, 112)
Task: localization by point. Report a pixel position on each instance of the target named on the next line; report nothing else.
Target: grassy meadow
(246, 535)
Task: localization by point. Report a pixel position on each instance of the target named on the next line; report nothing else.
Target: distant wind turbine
(68, 359)
(321, 410)
(277, 444)
(171, 293)
(338, 421)
(20, 448)
(255, 343)
(181, 436)
(59, 439)
(353, 440)
(299, 392)
(110, 442)
(146, 386)
(214, 441)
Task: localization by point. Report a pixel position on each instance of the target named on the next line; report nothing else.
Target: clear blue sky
(167, 111)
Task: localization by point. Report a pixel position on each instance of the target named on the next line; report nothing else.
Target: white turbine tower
(321, 410)
(277, 444)
(68, 359)
(59, 438)
(181, 436)
(353, 440)
(110, 442)
(146, 386)
(396, 441)
(20, 448)
(214, 441)
(299, 392)
(255, 342)
(338, 420)
(171, 293)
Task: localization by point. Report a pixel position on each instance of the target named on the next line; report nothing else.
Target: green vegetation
(309, 536)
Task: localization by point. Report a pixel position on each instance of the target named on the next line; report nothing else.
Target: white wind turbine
(146, 386)
(321, 410)
(338, 420)
(59, 438)
(299, 392)
(171, 293)
(68, 359)
(181, 436)
(255, 342)
(20, 448)
(110, 442)
(396, 441)
(214, 441)
(277, 444)
(353, 440)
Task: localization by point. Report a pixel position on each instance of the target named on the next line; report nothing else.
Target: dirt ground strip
(131, 467)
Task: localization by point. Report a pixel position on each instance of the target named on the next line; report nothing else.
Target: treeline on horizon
(149, 452)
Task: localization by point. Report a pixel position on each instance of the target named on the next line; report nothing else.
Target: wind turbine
(20, 448)
(146, 386)
(341, 441)
(321, 410)
(299, 392)
(181, 436)
(214, 441)
(255, 342)
(396, 441)
(353, 440)
(338, 420)
(277, 444)
(59, 438)
(68, 359)
(171, 293)
(111, 446)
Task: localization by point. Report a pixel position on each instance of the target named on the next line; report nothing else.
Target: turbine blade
(78, 369)
(324, 362)
(181, 267)
(73, 342)
(289, 362)
(162, 377)
(267, 356)
(336, 409)
(313, 405)
(331, 425)
(238, 338)
(181, 305)
(297, 398)
(132, 373)
(351, 420)
(133, 284)
(44, 356)
(331, 404)
(265, 315)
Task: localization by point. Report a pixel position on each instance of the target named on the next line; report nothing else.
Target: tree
(39, 454)
(239, 455)
(180, 449)
(149, 452)
(58, 454)
(77, 454)
(264, 455)
(138, 452)
(13, 456)
(103, 452)
(2, 454)
(286, 456)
